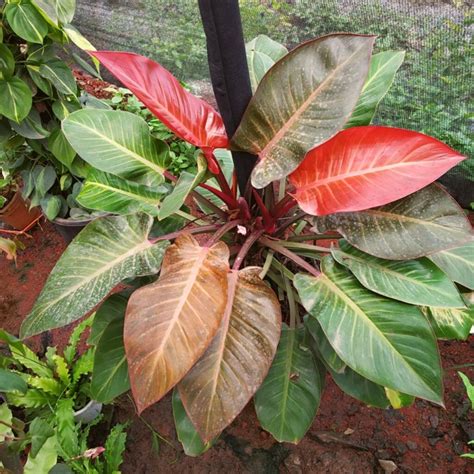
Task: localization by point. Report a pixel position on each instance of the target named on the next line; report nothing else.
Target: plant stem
(196, 230)
(267, 264)
(251, 239)
(301, 238)
(275, 245)
(283, 206)
(297, 245)
(289, 221)
(191, 218)
(222, 231)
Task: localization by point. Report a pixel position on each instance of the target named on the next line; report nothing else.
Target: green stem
(267, 264)
(297, 245)
(301, 238)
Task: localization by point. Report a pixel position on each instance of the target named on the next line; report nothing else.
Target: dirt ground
(346, 436)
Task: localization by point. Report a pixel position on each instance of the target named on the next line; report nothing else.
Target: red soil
(421, 439)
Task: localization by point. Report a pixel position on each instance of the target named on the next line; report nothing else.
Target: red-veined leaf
(170, 323)
(364, 167)
(190, 118)
(222, 382)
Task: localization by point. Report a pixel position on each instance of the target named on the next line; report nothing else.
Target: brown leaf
(170, 323)
(222, 382)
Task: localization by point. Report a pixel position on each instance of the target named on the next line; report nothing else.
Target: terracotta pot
(69, 228)
(17, 213)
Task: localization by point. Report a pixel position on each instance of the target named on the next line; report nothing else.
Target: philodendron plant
(257, 306)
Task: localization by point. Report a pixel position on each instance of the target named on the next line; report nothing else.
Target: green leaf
(423, 223)
(303, 100)
(65, 428)
(111, 309)
(11, 382)
(26, 22)
(185, 184)
(62, 370)
(42, 84)
(7, 61)
(31, 126)
(33, 398)
(57, 11)
(287, 401)
(65, 182)
(63, 108)
(451, 323)
(388, 342)
(115, 142)
(47, 385)
(51, 206)
(15, 99)
(45, 179)
(70, 351)
(44, 460)
(399, 400)
(469, 388)
(115, 447)
(110, 375)
(60, 148)
(348, 380)
(418, 282)
(60, 75)
(383, 67)
(107, 192)
(262, 54)
(84, 365)
(187, 434)
(7, 417)
(457, 263)
(40, 431)
(106, 252)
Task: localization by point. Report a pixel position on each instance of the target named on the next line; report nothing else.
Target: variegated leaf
(388, 342)
(457, 263)
(418, 282)
(222, 382)
(302, 101)
(423, 223)
(106, 252)
(170, 323)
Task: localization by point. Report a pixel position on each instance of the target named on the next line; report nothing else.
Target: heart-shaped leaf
(60, 75)
(262, 54)
(383, 67)
(388, 342)
(418, 282)
(107, 192)
(457, 263)
(56, 11)
(423, 223)
(289, 397)
(222, 382)
(115, 142)
(106, 252)
(302, 101)
(15, 99)
(364, 167)
(26, 22)
(169, 324)
(190, 118)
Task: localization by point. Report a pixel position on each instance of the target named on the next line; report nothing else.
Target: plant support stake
(229, 72)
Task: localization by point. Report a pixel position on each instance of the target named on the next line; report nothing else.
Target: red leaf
(188, 117)
(364, 167)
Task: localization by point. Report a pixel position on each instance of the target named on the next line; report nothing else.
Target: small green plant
(470, 394)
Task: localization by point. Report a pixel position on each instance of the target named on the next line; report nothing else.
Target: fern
(48, 385)
(62, 370)
(71, 349)
(114, 448)
(66, 429)
(84, 365)
(33, 398)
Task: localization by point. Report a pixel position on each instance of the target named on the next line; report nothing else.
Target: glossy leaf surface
(115, 142)
(222, 382)
(457, 263)
(383, 67)
(15, 99)
(302, 101)
(11, 382)
(364, 167)
(106, 252)
(262, 54)
(289, 397)
(190, 118)
(399, 349)
(451, 323)
(187, 434)
(60, 75)
(58, 11)
(346, 379)
(423, 223)
(419, 282)
(170, 323)
(110, 193)
(110, 374)
(26, 22)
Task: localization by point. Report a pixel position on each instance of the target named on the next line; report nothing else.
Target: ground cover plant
(256, 306)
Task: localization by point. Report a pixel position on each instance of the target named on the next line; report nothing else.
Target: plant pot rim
(89, 411)
(10, 203)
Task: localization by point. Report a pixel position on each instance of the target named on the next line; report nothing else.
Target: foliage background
(431, 93)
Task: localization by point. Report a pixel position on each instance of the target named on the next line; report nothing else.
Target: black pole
(229, 71)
